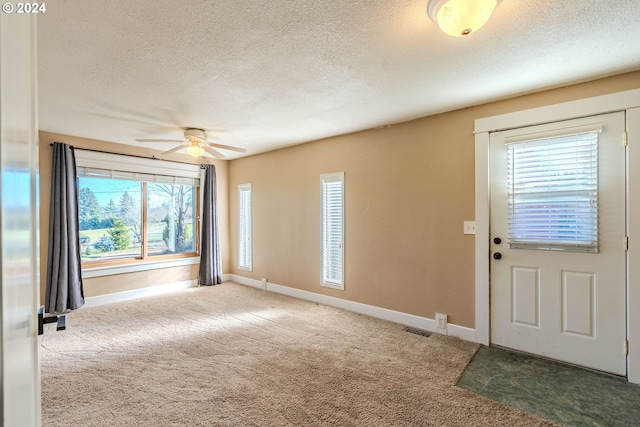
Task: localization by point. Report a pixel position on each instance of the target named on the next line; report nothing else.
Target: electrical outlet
(441, 321)
(264, 283)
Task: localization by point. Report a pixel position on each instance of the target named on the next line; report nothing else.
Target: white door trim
(633, 254)
(627, 100)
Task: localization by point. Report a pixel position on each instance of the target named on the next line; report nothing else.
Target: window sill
(333, 285)
(133, 268)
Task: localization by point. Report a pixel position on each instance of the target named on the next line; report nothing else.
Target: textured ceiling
(267, 74)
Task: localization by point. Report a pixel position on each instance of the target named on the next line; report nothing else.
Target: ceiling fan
(195, 141)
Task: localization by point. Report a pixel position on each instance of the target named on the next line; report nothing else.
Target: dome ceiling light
(461, 17)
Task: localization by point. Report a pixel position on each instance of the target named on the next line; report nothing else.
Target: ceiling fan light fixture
(461, 17)
(195, 150)
(195, 135)
(195, 144)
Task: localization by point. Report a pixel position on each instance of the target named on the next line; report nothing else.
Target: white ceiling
(265, 74)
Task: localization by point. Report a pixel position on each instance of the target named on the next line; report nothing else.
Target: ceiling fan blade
(227, 147)
(217, 130)
(128, 114)
(158, 140)
(213, 152)
(173, 150)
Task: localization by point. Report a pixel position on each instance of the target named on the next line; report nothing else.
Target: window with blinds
(133, 209)
(244, 227)
(332, 205)
(553, 192)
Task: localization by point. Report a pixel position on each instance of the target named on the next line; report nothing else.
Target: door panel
(569, 306)
(525, 306)
(578, 303)
(20, 372)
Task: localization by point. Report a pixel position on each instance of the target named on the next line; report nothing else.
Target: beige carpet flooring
(230, 355)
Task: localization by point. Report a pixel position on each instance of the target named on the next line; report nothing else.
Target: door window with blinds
(244, 227)
(553, 191)
(332, 206)
(132, 212)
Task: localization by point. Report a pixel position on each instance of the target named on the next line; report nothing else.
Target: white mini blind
(87, 172)
(332, 193)
(244, 227)
(91, 164)
(553, 192)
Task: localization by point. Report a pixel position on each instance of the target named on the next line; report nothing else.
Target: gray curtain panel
(210, 272)
(64, 275)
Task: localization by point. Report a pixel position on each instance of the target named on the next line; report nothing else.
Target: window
(128, 213)
(332, 205)
(110, 217)
(244, 227)
(553, 192)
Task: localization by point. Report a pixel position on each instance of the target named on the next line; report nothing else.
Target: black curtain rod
(133, 155)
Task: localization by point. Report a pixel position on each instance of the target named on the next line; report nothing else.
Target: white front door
(558, 262)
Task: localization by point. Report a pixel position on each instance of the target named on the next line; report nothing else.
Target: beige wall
(408, 189)
(124, 282)
(104, 285)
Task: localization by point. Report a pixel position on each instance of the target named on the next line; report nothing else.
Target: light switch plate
(469, 227)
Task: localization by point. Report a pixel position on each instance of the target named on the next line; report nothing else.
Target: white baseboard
(462, 332)
(138, 293)
(246, 281)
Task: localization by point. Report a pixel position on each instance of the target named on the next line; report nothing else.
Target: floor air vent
(417, 332)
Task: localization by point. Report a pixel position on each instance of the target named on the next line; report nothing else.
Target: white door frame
(628, 101)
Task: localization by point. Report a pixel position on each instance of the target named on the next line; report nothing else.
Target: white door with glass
(558, 261)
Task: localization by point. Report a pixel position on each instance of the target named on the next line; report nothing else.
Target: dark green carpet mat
(564, 394)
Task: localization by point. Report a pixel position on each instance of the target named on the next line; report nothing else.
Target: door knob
(497, 255)
(497, 240)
